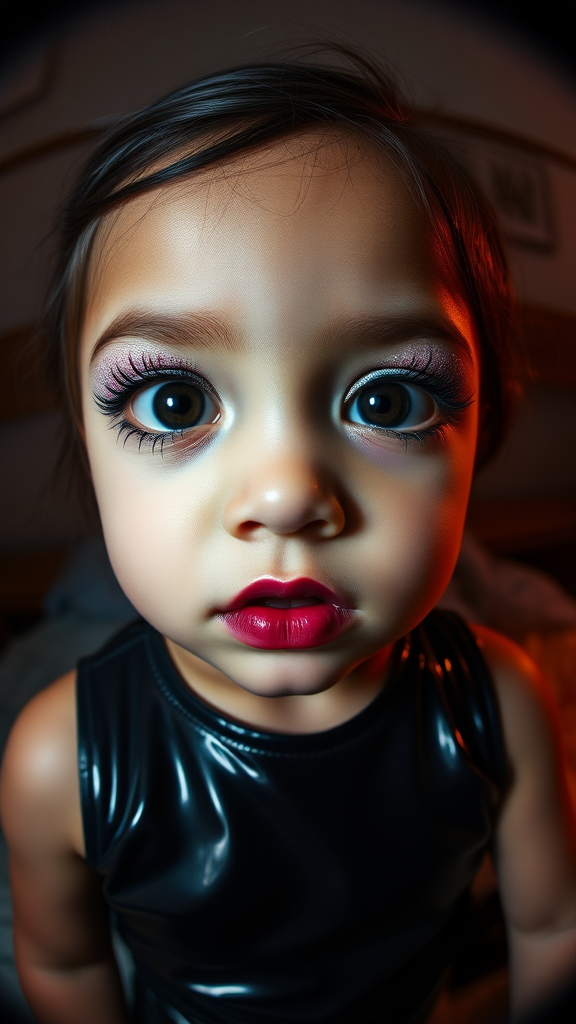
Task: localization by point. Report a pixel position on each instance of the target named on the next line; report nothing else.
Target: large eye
(175, 405)
(391, 405)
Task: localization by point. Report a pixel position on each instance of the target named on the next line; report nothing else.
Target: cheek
(414, 526)
(146, 518)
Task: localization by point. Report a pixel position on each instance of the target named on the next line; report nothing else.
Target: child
(280, 317)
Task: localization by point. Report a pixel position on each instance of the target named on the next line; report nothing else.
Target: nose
(285, 497)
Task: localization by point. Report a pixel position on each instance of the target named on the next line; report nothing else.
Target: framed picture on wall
(517, 184)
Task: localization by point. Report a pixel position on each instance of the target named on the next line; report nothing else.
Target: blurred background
(500, 83)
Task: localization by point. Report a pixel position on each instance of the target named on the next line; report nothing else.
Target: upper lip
(285, 589)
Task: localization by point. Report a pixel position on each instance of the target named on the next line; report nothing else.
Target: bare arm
(61, 935)
(536, 836)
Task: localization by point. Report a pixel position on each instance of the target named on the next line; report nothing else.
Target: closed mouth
(271, 593)
(276, 615)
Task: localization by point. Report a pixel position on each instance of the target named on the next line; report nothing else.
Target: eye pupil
(384, 405)
(178, 406)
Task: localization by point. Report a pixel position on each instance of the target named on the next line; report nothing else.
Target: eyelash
(439, 384)
(127, 386)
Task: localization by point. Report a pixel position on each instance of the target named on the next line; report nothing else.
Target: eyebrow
(394, 328)
(207, 329)
(203, 329)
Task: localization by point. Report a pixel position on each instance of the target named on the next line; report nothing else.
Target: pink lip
(256, 624)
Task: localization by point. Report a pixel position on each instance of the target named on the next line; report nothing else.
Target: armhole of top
(479, 670)
(85, 760)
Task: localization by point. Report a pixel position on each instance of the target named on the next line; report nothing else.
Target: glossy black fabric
(260, 877)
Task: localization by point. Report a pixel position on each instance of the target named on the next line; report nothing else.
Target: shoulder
(39, 793)
(535, 837)
(529, 719)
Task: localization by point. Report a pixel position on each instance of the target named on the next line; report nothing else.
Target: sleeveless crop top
(264, 878)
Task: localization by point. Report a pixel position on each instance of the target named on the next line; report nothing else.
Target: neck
(294, 714)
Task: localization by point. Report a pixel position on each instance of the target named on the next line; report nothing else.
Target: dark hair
(240, 110)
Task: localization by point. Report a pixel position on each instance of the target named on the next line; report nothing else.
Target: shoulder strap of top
(468, 693)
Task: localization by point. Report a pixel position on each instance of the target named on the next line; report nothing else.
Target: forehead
(305, 222)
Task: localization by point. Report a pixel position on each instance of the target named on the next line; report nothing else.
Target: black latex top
(260, 877)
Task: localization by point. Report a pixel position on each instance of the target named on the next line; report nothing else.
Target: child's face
(293, 326)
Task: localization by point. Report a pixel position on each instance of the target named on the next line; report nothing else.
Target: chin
(271, 675)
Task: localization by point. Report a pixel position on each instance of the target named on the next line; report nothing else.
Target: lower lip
(277, 629)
